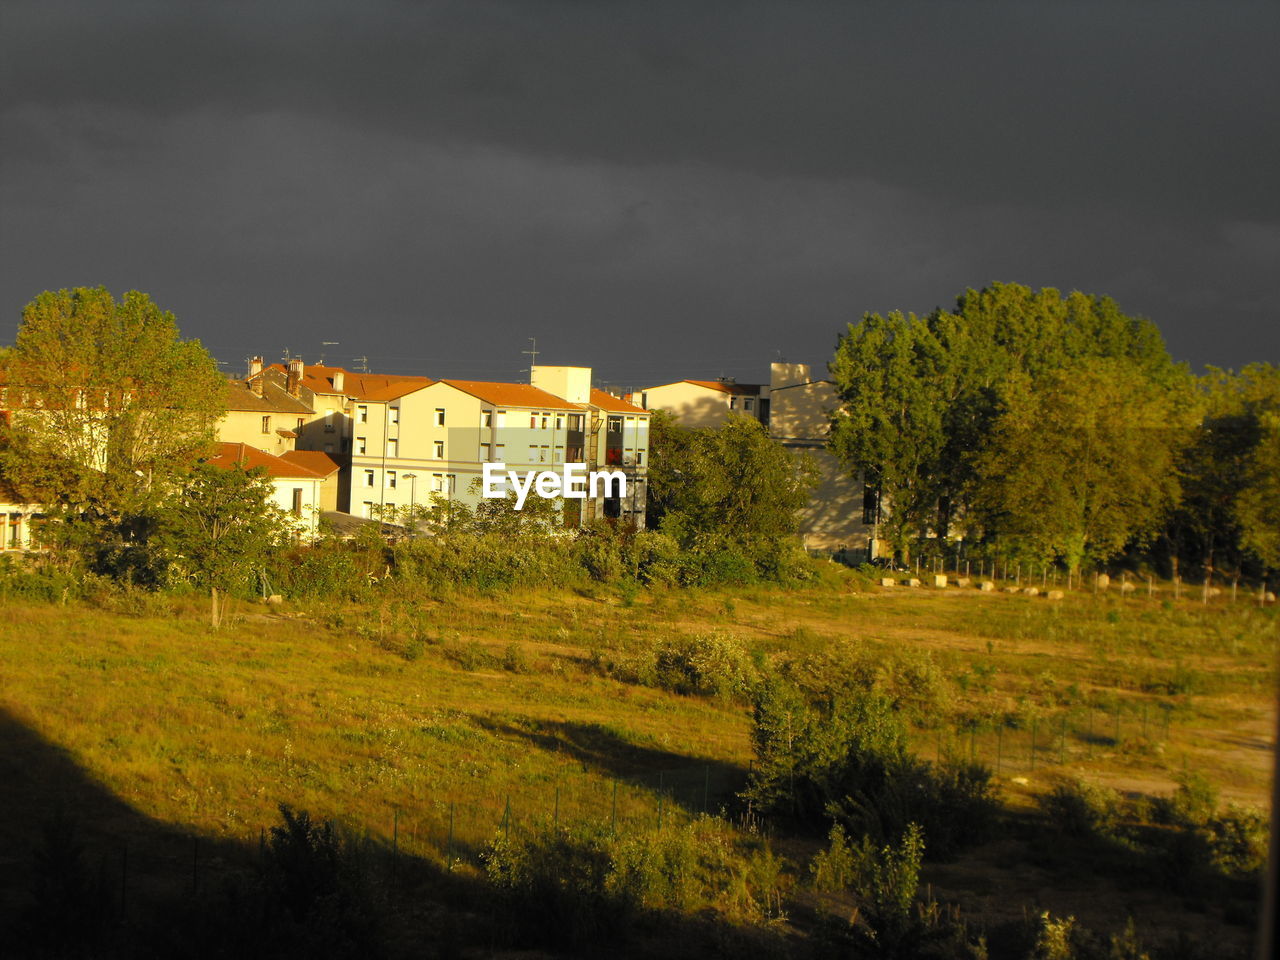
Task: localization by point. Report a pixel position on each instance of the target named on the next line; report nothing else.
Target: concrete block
(1104, 581)
(962, 581)
(275, 600)
(1127, 587)
(1055, 594)
(913, 582)
(1269, 597)
(939, 580)
(888, 582)
(986, 586)
(1031, 591)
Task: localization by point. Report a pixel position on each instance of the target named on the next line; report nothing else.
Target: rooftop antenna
(532, 354)
(364, 364)
(323, 344)
(286, 357)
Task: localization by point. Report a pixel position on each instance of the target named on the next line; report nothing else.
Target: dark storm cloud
(660, 190)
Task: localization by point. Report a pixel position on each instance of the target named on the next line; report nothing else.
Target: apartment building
(707, 403)
(263, 413)
(842, 512)
(796, 409)
(297, 480)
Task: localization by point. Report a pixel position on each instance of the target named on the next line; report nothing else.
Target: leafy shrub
(579, 886)
(1082, 810)
(708, 665)
(833, 868)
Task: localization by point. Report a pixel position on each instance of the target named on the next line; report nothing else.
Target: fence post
(506, 818)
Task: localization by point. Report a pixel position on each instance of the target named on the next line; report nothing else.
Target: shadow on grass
(85, 874)
(696, 784)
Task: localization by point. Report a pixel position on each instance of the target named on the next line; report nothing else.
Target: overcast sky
(657, 190)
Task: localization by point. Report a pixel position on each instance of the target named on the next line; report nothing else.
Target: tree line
(1058, 429)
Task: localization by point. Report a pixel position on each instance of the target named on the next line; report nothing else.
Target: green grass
(400, 716)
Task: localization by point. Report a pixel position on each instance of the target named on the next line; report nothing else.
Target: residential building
(264, 412)
(707, 403)
(297, 488)
(796, 409)
(842, 511)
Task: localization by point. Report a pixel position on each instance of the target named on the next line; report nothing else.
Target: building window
(266, 424)
(543, 452)
(368, 509)
(297, 501)
(500, 452)
(559, 421)
(368, 478)
(361, 446)
(747, 404)
(362, 414)
(486, 451)
(301, 421)
(533, 453)
(439, 449)
(439, 416)
(614, 424)
(328, 421)
(451, 482)
(575, 421)
(502, 418)
(533, 421)
(546, 421)
(394, 414)
(733, 403)
(328, 448)
(393, 446)
(639, 458)
(391, 479)
(559, 455)
(437, 482)
(486, 418)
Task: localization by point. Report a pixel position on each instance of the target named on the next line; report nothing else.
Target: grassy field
(433, 724)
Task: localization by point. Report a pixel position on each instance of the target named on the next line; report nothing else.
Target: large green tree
(920, 397)
(219, 529)
(108, 402)
(1081, 461)
(728, 490)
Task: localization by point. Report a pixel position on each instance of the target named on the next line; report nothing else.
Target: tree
(728, 491)
(109, 405)
(920, 396)
(895, 390)
(1081, 461)
(1257, 501)
(220, 529)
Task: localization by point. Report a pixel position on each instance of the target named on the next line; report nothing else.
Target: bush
(581, 886)
(1082, 810)
(708, 665)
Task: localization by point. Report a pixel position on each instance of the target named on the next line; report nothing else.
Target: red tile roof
(513, 395)
(376, 387)
(321, 464)
(232, 454)
(607, 401)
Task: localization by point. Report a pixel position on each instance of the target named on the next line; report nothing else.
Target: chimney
(295, 376)
(254, 379)
(339, 377)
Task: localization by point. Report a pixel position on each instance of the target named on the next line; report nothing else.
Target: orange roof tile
(318, 463)
(513, 395)
(375, 387)
(607, 401)
(232, 454)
